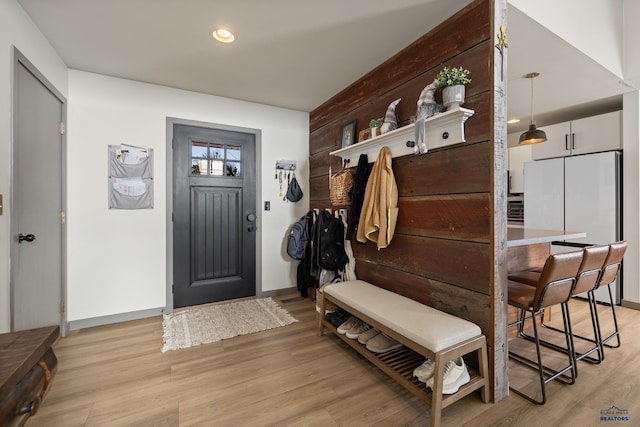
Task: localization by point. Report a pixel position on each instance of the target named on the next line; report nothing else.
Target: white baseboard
(630, 304)
(114, 318)
(277, 292)
(143, 314)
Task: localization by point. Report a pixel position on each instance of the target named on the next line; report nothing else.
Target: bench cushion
(422, 324)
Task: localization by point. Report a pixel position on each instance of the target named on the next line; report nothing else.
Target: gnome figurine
(390, 120)
(427, 107)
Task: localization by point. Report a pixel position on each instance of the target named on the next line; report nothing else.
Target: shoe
(350, 323)
(381, 343)
(424, 371)
(366, 336)
(337, 318)
(455, 375)
(358, 330)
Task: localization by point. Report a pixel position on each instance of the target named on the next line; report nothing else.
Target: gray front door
(37, 201)
(214, 215)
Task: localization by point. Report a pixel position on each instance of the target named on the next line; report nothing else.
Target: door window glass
(214, 159)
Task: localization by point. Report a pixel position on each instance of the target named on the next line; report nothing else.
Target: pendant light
(533, 135)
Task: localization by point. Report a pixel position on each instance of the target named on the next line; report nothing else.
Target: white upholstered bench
(424, 332)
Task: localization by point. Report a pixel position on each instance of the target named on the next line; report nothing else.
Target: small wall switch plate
(267, 206)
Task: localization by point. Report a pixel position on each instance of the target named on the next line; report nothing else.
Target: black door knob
(28, 238)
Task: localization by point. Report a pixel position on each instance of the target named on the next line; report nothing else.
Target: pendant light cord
(532, 76)
(531, 100)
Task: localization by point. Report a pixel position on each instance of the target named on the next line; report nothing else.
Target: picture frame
(364, 135)
(348, 134)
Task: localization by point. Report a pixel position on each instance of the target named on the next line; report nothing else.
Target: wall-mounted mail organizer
(440, 130)
(130, 177)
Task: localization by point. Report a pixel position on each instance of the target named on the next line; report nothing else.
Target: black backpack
(299, 236)
(329, 242)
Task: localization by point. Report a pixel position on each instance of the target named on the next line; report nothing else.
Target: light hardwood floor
(116, 376)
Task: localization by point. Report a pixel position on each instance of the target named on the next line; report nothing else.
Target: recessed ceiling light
(222, 35)
(512, 121)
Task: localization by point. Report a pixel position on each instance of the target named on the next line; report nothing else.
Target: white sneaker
(348, 324)
(424, 371)
(455, 375)
(358, 330)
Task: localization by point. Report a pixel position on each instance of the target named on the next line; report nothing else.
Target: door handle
(28, 238)
(252, 228)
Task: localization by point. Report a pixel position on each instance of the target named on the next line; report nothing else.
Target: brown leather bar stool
(611, 257)
(554, 286)
(609, 273)
(587, 280)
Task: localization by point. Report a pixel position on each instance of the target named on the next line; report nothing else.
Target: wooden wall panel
(443, 252)
(527, 257)
(319, 164)
(463, 264)
(476, 60)
(318, 190)
(456, 217)
(463, 31)
(478, 127)
(463, 169)
(325, 139)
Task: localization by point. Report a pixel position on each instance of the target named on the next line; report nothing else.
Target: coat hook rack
(287, 165)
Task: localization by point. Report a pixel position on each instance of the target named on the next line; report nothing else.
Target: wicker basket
(340, 185)
(330, 307)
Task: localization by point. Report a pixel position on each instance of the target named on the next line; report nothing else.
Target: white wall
(631, 138)
(17, 29)
(593, 27)
(117, 258)
(631, 29)
(631, 195)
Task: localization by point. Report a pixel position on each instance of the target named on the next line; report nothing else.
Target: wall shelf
(443, 129)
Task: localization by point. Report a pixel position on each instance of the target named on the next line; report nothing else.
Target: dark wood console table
(27, 366)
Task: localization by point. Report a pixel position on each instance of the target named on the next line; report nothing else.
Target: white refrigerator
(577, 193)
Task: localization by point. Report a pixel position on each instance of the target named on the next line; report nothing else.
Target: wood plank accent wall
(442, 253)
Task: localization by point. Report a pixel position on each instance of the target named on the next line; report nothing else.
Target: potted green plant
(374, 125)
(452, 81)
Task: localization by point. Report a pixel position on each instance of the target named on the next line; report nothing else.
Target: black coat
(357, 193)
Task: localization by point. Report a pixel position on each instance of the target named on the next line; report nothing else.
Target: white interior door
(37, 202)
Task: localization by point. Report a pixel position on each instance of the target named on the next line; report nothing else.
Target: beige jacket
(380, 206)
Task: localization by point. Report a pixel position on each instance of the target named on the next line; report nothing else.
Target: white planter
(453, 97)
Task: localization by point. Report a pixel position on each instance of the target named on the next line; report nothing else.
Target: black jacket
(357, 193)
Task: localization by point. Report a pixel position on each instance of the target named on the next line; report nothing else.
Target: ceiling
(298, 53)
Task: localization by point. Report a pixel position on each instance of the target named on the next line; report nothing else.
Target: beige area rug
(213, 323)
